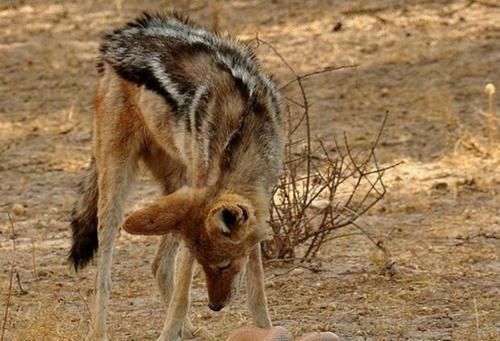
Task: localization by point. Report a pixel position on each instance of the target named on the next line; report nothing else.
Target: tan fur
(133, 124)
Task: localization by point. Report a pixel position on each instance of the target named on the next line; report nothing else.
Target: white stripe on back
(169, 86)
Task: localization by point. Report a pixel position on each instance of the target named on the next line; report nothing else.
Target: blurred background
(425, 63)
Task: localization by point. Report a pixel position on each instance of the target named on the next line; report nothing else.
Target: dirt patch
(425, 62)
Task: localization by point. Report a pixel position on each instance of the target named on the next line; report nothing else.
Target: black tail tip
(79, 258)
(84, 245)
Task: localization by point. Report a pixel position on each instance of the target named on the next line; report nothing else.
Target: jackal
(197, 109)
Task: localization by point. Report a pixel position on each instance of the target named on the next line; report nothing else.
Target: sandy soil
(424, 62)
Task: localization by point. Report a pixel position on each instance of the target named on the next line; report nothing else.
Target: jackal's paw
(91, 336)
(170, 337)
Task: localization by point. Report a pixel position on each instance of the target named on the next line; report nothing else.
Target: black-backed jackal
(196, 108)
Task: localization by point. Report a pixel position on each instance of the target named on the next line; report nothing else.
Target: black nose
(215, 307)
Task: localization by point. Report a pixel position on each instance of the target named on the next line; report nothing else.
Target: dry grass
(426, 63)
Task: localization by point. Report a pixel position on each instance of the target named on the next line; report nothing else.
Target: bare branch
(321, 190)
(11, 277)
(326, 69)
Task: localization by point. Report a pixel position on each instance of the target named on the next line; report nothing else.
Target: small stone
(391, 268)
(320, 203)
(18, 209)
(297, 272)
(337, 27)
(42, 274)
(440, 186)
(370, 48)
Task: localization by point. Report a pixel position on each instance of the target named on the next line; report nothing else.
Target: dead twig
(33, 260)
(486, 4)
(490, 91)
(320, 192)
(19, 285)
(468, 239)
(11, 277)
(326, 69)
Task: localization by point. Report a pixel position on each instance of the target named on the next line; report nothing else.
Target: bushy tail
(84, 221)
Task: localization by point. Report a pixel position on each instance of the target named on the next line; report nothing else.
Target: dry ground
(425, 62)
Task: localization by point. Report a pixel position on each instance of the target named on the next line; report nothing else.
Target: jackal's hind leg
(114, 177)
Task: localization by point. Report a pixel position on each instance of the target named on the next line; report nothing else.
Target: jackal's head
(220, 229)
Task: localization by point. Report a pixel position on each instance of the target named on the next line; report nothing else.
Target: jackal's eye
(224, 265)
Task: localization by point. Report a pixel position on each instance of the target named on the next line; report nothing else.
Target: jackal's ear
(163, 216)
(229, 218)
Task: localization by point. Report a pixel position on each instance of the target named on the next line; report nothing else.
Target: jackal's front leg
(257, 301)
(164, 266)
(163, 271)
(178, 307)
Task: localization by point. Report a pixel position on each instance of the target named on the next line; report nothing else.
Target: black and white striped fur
(155, 52)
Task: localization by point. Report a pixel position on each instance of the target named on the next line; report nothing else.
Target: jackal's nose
(215, 307)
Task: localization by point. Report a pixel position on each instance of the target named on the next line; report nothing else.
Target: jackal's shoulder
(173, 57)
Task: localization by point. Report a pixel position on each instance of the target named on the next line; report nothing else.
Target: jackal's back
(221, 102)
